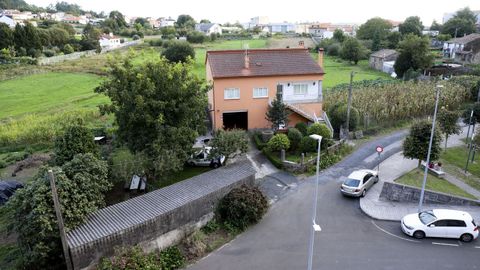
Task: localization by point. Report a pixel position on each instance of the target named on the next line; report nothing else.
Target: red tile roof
(263, 62)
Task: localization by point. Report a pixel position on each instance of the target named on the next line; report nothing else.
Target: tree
(411, 25)
(205, 21)
(81, 184)
(277, 114)
(295, 137)
(32, 38)
(278, 142)
(118, 18)
(90, 38)
(229, 142)
(447, 122)
(77, 139)
(414, 54)
(196, 37)
(338, 35)
(436, 26)
(463, 23)
(19, 37)
(159, 109)
(374, 26)
(393, 39)
(179, 52)
(6, 36)
(322, 130)
(416, 143)
(338, 117)
(352, 50)
(185, 21)
(68, 8)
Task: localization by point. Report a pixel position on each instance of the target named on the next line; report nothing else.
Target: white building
(167, 22)
(109, 41)
(281, 27)
(208, 28)
(257, 21)
(7, 20)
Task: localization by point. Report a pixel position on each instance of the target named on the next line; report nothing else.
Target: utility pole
(61, 227)
(422, 193)
(349, 104)
(469, 125)
(456, 29)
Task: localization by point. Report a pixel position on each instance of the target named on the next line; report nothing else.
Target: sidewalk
(394, 167)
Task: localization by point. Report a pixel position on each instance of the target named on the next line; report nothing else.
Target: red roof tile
(263, 62)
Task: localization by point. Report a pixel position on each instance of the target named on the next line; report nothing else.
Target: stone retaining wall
(156, 219)
(401, 193)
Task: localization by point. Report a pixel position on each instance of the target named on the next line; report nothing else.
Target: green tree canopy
(447, 122)
(68, 8)
(229, 142)
(338, 35)
(411, 25)
(185, 21)
(118, 18)
(179, 52)
(159, 107)
(374, 26)
(77, 139)
(352, 50)
(393, 40)
(415, 145)
(463, 23)
(6, 36)
(414, 54)
(81, 184)
(436, 26)
(277, 114)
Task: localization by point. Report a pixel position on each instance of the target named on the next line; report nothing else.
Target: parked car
(7, 189)
(203, 141)
(358, 182)
(440, 223)
(203, 158)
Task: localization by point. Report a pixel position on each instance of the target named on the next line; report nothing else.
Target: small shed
(379, 57)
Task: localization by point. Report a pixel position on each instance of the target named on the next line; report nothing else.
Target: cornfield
(40, 129)
(399, 101)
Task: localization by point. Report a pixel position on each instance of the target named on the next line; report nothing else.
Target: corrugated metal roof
(465, 39)
(121, 216)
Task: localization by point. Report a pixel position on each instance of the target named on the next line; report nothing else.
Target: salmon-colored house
(246, 81)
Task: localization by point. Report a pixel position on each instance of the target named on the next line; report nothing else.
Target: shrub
(302, 127)
(258, 141)
(308, 144)
(338, 117)
(333, 50)
(196, 37)
(295, 137)
(229, 142)
(135, 37)
(278, 142)
(67, 49)
(77, 139)
(211, 226)
(156, 42)
(319, 129)
(273, 158)
(178, 51)
(171, 258)
(133, 258)
(3, 164)
(49, 53)
(243, 206)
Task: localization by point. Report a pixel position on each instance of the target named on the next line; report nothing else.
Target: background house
(245, 82)
(383, 60)
(7, 20)
(208, 28)
(464, 50)
(109, 41)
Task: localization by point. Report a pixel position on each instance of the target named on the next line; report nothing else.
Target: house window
(260, 92)
(232, 93)
(300, 89)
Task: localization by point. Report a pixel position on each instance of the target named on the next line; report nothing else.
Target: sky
(338, 11)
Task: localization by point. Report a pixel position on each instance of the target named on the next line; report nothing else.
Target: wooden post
(61, 227)
(282, 155)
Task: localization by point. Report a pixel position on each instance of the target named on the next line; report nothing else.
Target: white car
(358, 182)
(203, 158)
(441, 223)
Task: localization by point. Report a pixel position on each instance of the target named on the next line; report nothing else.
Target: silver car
(358, 182)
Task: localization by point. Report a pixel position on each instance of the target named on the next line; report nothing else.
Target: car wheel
(364, 192)
(466, 237)
(376, 179)
(191, 164)
(215, 165)
(419, 234)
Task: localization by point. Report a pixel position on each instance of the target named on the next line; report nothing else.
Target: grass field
(454, 161)
(48, 93)
(415, 179)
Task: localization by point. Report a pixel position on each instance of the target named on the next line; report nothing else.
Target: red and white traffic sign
(379, 149)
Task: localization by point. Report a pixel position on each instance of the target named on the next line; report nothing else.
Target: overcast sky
(337, 11)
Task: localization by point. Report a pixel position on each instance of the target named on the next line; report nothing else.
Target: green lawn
(415, 178)
(454, 161)
(187, 172)
(47, 93)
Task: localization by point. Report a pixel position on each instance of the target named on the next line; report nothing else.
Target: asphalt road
(348, 240)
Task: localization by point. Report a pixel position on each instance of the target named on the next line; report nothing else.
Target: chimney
(301, 44)
(247, 60)
(320, 57)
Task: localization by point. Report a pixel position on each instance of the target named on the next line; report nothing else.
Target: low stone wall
(401, 193)
(301, 167)
(156, 219)
(65, 57)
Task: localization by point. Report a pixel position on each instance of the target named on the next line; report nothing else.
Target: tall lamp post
(422, 193)
(315, 227)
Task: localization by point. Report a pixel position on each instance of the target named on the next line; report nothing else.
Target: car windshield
(426, 217)
(351, 182)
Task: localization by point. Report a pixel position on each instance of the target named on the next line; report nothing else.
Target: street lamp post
(422, 193)
(315, 226)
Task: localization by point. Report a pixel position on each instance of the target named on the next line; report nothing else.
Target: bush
(258, 141)
(273, 158)
(178, 51)
(338, 117)
(229, 142)
(308, 144)
(278, 142)
(3, 164)
(322, 130)
(302, 127)
(295, 137)
(333, 50)
(135, 37)
(171, 258)
(49, 53)
(68, 49)
(196, 37)
(243, 206)
(77, 139)
(156, 42)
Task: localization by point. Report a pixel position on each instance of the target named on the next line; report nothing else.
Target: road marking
(445, 244)
(391, 234)
(477, 247)
(278, 185)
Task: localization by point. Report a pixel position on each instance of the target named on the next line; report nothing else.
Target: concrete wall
(401, 193)
(65, 57)
(157, 219)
